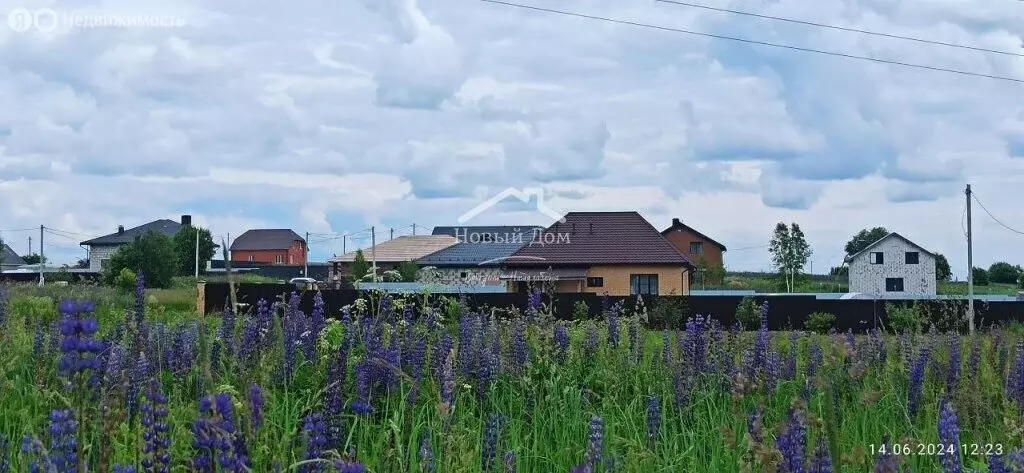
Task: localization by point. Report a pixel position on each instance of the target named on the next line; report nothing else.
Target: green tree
(980, 277)
(34, 258)
(864, 238)
(1003, 273)
(359, 266)
(185, 249)
(942, 271)
(790, 252)
(152, 254)
(408, 271)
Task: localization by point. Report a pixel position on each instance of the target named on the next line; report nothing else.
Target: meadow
(95, 380)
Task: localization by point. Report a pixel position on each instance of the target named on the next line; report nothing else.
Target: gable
(893, 248)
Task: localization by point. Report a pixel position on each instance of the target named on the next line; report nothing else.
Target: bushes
(904, 319)
(748, 313)
(820, 322)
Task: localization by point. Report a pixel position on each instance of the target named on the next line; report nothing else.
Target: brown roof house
(705, 252)
(278, 246)
(390, 254)
(620, 253)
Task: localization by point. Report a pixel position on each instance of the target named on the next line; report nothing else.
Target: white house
(892, 266)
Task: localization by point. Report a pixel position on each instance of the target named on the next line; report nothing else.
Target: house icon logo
(523, 195)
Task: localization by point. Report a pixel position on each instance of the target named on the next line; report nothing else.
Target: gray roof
(488, 250)
(266, 239)
(9, 258)
(163, 227)
(893, 234)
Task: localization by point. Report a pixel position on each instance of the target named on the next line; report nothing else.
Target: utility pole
(305, 258)
(373, 251)
(344, 239)
(970, 264)
(392, 234)
(29, 245)
(197, 253)
(42, 278)
(414, 229)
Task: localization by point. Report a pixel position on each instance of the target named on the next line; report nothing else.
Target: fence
(786, 311)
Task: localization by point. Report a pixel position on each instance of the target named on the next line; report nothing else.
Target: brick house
(698, 247)
(478, 256)
(269, 246)
(102, 248)
(620, 253)
(893, 266)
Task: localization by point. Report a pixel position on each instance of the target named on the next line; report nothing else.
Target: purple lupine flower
(917, 372)
(343, 466)
(417, 359)
(666, 347)
(264, 323)
(949, 436)
(760, 359)
(80, 351)
(509, 462)
(591, 340)
(793, 442)
(682, 384)
(561, 344)
(5, 454)
(851, 341)
(334, 394)
(157, 443)
(206, 438)
(772, 371)
(289, 326)
(216, 436)
(520, 350)
(361, 405)
(821, 462)
(634, 347)
(755, 425)
(653, 420)
(318, 318)
(55, 338)
(256, 401)
(613, 326)
(315, 433)
(1015, 380)
(63, 452)
(447, 381)
(469, 332)
(789, 372)
(954, 363)
(696, 343)
(37, 342)
(486, 372)
(595, 443)
(124, 469)
(814, 359)
(426, 453)
(906, 351)
(997, 465)
(886, 462)
(441, 350)
(492, 432)
(974, 362)
(140, 303)
(533, 305)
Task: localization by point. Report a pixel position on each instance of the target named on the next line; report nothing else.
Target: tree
(790, 252)
(1003, 273)
(942, 271)
(34, 258)
(152, 254)
(185, 249)
(980, 277)
(81, 264)
(864, 238)
(408, 271)
(359, 267)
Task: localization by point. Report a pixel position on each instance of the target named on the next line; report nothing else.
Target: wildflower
(533, 304)
(613, 326)
(653, 419)
(949, 437)
(334, 394)
(666, 347)
(315, 433)
(954, 364)
(441, 350)
(634, 346)
(317, 319)
(362, 405)
(595, 445)
(447, 382)
(63, 443)
(227, 331)
(917, 381)
(696, 343)
(755, 425)
(426, 453)
(37, 342)
(591, 340)
(886, 462)
(5, 454)
(140, 305)
(343, 466)
(821, 462)
(492, 432)
(793, 441)
(790, 369)
(124, 469)
(80, 351)
(256, 401)
(509, 462)
(156, 450)
(520, 350)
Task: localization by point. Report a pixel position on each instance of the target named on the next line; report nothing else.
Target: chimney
(186, 220)
(120, 230)
(675, 221)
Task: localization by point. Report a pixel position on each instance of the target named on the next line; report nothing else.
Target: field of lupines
(391, 385)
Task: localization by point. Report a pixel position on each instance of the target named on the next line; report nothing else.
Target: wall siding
(671, 279)
(681, 239)
(98, 254)
(870, 278)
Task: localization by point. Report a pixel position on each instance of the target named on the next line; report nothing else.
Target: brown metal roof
(594, 238)
(266, 239)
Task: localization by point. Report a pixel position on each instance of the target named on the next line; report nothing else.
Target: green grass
(546, 405)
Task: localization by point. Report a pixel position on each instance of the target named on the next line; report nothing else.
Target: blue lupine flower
(755, 425)
(139, 377)
(1015, 380)
(520, 350)
(343, 466)
(361, 405)
(157, 444)
(533, 305)
(821, 462)
(124, 469)
(441, 350)
(317, 319)
(447, 382)
(634, 346)
(814, 359)
(954, 363)
(140, 302)
(509, 462)
(63, 442)
(490, 442)
(666, 347)
(256, 401)
(426, 453)
(595, 444)
(315, 433)
(793, 442)
(5, 454)
(789, 372)
(591, 341)
(974, 362)
(949, 436)
(696, 343)
(561, 343)
(917, 372)
(653, 419)
(334, 394)
(886, 462)
(80, 351)
(37, 342)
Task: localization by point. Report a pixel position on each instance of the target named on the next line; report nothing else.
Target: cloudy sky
(330, 117)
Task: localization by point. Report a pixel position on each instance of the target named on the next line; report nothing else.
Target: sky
(332, 117)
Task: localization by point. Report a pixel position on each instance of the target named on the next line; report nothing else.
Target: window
(877, 257)
(595, 282)
(291, 259)
(646, 284)
(913, 257)
(696, 247)
(252, 258)
(104, 263)
(893, 284)
(463, 275)
(278, 259)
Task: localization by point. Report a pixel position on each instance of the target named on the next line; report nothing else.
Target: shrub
(125, 281)
(904, 318)
(980, 277)
(749, 314)
(820, 322)
(580, 310)
(667, 313)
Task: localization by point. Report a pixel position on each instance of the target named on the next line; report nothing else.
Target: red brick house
(695, 245)
(269, 246)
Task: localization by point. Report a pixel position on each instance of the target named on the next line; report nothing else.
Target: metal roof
(266, 239)
(164, 227)
(893, 234)
(479, 246)
(403, 248)
(9, 258)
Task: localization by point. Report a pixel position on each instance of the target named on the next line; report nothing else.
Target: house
(269, 246)
(9, 259)
(392, 253)
(893, 266)
(477, 258)
(695, 245)
(102, 248)
(620, 253)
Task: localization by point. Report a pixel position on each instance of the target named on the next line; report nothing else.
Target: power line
(750, 248)
(840, 28)
(761, 43)
(70, 233)
(14, 230)
(993, 216)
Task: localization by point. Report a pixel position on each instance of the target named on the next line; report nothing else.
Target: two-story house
(893, 266)
(269, 246)
(705, 252)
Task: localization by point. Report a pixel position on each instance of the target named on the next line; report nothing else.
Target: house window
(893, 284)
(595, 282)
(877, 257)
(463, 275)
(646, 284)
(252, 258)
(278, 259)
(696, 247)
(913, 257)
(104, 262)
